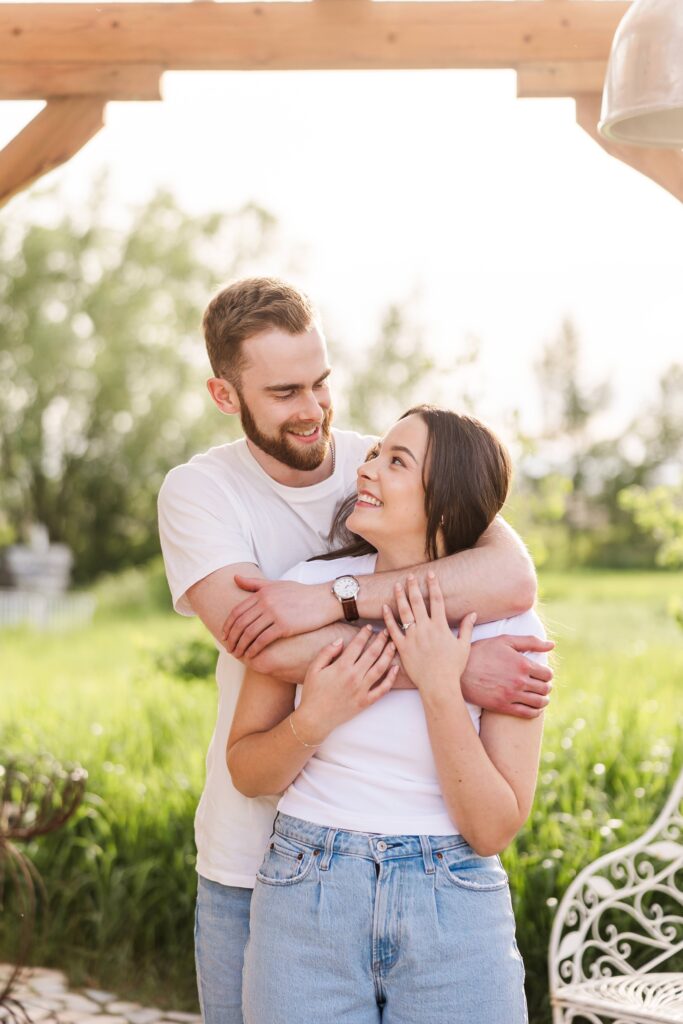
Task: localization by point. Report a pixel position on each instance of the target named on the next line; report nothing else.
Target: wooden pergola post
(79, 56)
(76, 96)
(50, 139)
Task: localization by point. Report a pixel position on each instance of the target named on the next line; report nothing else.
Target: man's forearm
(496, 580)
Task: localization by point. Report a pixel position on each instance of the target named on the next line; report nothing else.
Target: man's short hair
(246, 308)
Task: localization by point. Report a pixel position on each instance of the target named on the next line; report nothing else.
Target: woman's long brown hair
(466, 477)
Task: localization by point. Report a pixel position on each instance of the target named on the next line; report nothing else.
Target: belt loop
(329, 846)
(427, 855)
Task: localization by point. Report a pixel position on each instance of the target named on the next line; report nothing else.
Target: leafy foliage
(188, 659)
(381, 387)
(119, 880)
(659, 512)
(135, 591)
(569, 478)
(102, 367)
(538, 509)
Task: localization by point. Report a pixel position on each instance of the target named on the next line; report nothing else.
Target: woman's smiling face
(390, 510)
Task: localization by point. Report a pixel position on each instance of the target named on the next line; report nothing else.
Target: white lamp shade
(642, 102)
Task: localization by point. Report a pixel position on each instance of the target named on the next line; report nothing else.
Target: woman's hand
(430, 654)
(341, 683)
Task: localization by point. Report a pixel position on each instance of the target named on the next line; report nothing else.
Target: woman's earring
(442, 523)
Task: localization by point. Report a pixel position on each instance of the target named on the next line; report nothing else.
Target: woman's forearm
(479, 799)
(269, 743)
(266, 763)
(288, 659)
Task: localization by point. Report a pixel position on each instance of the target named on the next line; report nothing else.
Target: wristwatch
(346, 589)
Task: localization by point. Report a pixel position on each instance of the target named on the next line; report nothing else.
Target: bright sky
(486, 215)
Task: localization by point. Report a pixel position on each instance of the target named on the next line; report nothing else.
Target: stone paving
(45, 996)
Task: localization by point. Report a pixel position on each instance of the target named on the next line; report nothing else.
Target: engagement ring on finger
(405, 626)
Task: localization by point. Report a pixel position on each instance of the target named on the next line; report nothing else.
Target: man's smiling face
(284, 396)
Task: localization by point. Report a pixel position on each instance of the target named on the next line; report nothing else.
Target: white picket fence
(45, 611)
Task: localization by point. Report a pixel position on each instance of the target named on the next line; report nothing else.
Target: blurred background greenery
(102, 393)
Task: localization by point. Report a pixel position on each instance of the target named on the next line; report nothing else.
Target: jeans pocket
(285, 862)
(467, 870)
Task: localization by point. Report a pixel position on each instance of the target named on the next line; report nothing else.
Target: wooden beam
(567, 79)
(50, 139)
(352, 34)
(36, 81)
(665, 166)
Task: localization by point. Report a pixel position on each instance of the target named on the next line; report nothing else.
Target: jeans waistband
(370, 845)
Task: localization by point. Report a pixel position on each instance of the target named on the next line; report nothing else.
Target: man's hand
(276, 609)
(499, 678)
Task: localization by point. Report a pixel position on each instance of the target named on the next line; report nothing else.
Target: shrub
(188, 659)
(132, 591)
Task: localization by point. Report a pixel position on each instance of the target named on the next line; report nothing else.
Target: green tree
(596, 527)
(569, 407)
(376, 390)
(537, 509)
(659, 428)
(568, 404)
(645, 455)
(659, 513)
(554, 498)
(103, 368)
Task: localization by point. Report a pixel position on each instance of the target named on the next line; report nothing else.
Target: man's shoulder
(351, 450)
(209, 479)
(216, 464)
(351, 442)
(220, 455)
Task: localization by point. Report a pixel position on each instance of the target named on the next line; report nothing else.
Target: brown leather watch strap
(350, 609)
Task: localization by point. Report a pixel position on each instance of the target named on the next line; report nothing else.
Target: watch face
(346, 586)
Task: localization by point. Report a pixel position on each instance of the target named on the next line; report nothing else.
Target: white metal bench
(616, 947)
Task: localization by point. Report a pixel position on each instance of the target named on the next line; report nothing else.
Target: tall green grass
(120, 878)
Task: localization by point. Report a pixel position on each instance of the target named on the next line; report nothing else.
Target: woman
(381, 897)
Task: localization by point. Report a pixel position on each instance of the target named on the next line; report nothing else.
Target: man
(246, 512)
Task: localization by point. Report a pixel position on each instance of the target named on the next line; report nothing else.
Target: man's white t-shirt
(221, 508)
(376, 772)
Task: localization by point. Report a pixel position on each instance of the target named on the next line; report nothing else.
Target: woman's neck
(400, 557)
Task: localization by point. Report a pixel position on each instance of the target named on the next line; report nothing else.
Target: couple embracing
(379, 669)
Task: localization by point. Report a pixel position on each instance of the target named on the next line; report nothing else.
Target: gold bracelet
(291, 723)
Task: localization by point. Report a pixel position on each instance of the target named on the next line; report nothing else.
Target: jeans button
(382, 846)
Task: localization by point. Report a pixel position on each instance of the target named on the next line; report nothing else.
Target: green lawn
(120, 878)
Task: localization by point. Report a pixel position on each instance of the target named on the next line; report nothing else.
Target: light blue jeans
(363, 928)
(220, 934)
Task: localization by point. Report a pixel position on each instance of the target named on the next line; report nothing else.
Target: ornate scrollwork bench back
(621, 919)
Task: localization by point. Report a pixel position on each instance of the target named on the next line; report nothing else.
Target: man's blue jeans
(361, 928)
(220, 935)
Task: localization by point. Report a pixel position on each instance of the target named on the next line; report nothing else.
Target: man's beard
(281, 448)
